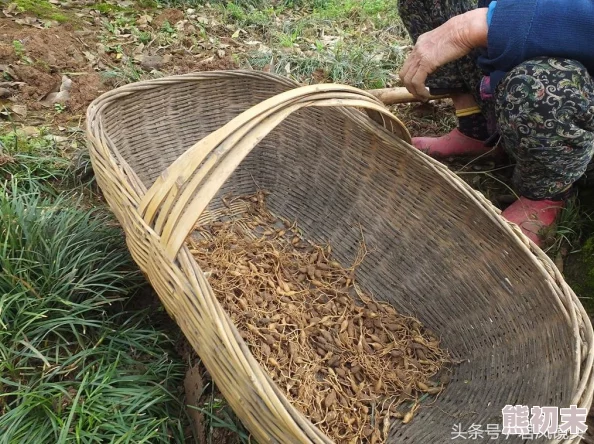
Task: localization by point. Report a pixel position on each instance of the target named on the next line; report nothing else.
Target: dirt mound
(85, 89)
(172, 16)
(54, 49)
(40, 57)
(38, 83)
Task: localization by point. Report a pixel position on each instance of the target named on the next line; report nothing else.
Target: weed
(168, 28)
(568, 231)
(126, 73)
(19, 48)
(357, 66)
(106, 8)
(144, 37)
(148, 4)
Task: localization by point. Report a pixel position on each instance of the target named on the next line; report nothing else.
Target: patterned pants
(543, 108)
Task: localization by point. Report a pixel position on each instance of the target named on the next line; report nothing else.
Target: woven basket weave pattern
(437, 249)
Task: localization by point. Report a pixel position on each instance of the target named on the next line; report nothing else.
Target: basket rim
(105, 155)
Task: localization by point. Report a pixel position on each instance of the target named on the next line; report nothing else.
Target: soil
(172, 16)
(185, 65)
(43, 56)
(85, 89)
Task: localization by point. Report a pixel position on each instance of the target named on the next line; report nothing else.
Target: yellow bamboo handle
(179, 196)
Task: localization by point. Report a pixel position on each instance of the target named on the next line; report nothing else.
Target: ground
(56, 56)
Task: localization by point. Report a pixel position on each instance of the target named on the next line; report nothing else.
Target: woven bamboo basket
(163, 150)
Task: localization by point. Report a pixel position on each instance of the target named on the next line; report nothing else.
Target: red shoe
(453, 144)
(533, 216)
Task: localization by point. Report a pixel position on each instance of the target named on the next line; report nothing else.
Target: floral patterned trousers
(543, 108)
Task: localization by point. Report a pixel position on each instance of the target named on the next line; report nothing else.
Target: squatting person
(518, 71)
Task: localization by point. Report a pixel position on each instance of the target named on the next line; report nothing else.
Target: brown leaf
(10, 9)
(30, 131)
(8, 70)
(30, 21)
(20, 110)
(61, 96)
(144, 20)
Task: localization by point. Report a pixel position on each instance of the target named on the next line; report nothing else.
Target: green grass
(32, 157)
(365, 43)
(569, 229)
(42, 9)
(358, 66)
(354, 42)
(72, 367)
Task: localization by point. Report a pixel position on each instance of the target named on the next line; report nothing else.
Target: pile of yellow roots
(350, 363)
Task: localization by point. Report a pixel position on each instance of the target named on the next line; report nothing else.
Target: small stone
(151, 62)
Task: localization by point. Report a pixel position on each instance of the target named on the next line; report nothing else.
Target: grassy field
(79, 360)
(75, 364)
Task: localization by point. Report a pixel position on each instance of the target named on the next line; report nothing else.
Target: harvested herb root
(350, 363)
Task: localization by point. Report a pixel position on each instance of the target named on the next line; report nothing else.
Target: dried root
(350, 363)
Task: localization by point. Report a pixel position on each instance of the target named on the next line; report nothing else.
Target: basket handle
(178, 197)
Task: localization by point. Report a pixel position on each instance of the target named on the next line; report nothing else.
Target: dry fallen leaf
(62, 96)
(90, 56)
(57, 139)
(10, 9)
(206, 60)
(30, 21)
(144, 20)
(139, 49)
(19, 110)
(30, 131)
(12, 84)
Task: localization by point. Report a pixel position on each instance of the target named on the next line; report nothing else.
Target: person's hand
(451, 41)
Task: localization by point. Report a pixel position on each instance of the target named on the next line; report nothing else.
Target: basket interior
(433, 253)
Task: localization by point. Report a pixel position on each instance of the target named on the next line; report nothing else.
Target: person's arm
(521, 30)
(451, 41)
